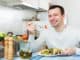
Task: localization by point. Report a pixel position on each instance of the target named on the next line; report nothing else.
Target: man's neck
(60, 27)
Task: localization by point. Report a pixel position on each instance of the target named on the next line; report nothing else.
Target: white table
(37, 57)
(16, 58)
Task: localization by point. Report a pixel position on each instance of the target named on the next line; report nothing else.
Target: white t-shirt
(68, 38)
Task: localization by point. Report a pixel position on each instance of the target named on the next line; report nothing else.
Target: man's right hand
(31, 28)
(69, 51)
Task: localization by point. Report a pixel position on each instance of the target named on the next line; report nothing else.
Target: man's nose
(52, 18)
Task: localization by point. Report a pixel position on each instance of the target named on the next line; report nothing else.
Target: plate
(51, 52)
(52, 55)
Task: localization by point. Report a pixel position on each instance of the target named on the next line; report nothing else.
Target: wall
(43, 16)
(73, 11)
(11, 19)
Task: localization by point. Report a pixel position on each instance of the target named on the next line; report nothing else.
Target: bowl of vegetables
(25, 54)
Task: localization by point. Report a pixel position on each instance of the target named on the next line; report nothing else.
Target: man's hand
(31, 27)
(69, 51)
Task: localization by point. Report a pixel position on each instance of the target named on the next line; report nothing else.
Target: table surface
(35, 56)
(49, 58)
(56, 58)
(38, 57)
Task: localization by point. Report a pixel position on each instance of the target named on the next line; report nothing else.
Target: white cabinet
(36, 4)
(31, 3)
(39, 4)
(21, 3)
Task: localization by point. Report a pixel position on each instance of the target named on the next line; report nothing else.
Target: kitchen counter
(74, 57)
(16, 58)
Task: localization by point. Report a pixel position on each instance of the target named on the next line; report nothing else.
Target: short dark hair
(57, 6)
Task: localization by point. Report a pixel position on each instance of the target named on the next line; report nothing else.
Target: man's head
(56, 15)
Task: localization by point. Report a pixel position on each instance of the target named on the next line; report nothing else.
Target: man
(58, 35)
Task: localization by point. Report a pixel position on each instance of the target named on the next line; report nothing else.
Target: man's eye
(49, 16)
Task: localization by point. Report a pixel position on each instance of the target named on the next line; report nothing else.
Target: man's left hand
(69, 51)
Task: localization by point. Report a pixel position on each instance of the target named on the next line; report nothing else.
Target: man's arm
(38, 44)
(78, 45)
(76, 48)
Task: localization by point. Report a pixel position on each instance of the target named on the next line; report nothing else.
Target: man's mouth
(53, 21)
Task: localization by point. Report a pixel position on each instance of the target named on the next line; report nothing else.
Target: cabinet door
(43, 4)
(32, 3)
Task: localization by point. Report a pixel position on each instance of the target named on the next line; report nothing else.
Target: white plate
(50, 54)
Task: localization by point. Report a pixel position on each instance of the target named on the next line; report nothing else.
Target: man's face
(55, 17)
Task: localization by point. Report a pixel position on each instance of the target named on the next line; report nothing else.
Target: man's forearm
(78, 51)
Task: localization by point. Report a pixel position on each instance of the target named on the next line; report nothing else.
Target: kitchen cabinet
(39, 5)
(31, 3)
(22, 3)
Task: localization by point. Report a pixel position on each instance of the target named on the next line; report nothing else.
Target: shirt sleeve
(38, 44)
(78, 51)
(78, 45)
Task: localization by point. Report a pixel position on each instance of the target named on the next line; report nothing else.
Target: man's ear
(64, 15)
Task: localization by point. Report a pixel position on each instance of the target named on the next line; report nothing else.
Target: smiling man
(58, 35)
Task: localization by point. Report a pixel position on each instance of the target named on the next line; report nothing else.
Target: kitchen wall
(73, 11)
(43, 16)
(11, 19)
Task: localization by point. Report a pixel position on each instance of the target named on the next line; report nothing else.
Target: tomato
(25, 37)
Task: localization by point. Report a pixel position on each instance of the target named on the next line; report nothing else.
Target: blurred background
(14, 14)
